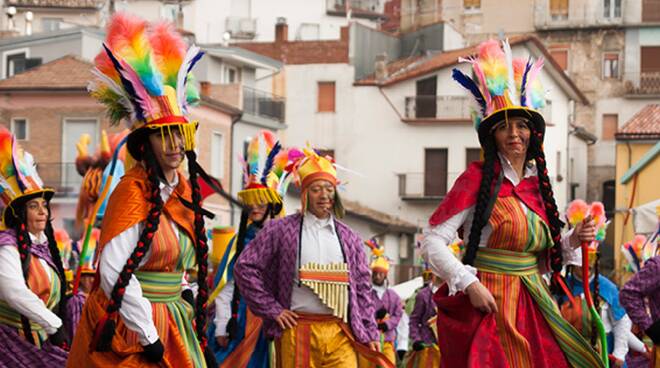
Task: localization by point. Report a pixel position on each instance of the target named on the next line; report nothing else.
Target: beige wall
(646, 190)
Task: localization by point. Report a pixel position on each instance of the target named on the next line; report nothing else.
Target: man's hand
(222, 341)
(481, 298)
(374, 345)
(585, 231)
(287, 319)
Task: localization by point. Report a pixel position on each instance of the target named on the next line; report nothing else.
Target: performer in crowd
(641, 295)
(236, 336)
(506, 207)
(306, 275)
(574, 309)
(425, 343)
(32, 281)
(153, 227)
(387, 303)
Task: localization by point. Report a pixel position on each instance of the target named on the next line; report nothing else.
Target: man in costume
(236, 336)
(32, 281)
(283, 276)
(574, 309)
(387, 303)
(425, 343)
(153, 228)
(641, 295)
(507, 210)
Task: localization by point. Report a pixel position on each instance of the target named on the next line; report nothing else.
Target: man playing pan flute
(281, 278)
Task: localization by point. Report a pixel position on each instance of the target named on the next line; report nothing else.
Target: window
(326, 96)
(610, 65)
(560, 54)
(170, 12)
(612, 8)
(559, 9)
(51, 24)
(472, 155)
(651, 11)
(14, 63)
(19, 128)
(610, 126)
(471, 4)
(435, 172)
(217, 155)
(230, 74)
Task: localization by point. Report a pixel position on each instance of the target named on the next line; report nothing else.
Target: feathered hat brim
(9, 212)
(532, 116)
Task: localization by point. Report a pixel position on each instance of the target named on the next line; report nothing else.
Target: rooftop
(383, 219)
(66, 73)
(645, 124)
(71, 4)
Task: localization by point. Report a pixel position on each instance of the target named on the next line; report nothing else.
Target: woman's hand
(481, 298)
(584, 231)
(374, 345)
(287, 319)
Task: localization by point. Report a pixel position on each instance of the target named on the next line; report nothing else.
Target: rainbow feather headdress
(264, 171)
(505, 87)
(19, 180)
(143, 76)
(89, 263)
(379, 262)
(576, 212)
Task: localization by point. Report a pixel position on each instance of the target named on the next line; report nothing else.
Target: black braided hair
(142, 247)
(23, 242)
(59, 267)
(201, 250)
(480, 218)
(551, 211)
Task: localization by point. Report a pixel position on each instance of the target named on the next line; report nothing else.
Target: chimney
(344, 33)
(281, 30)
(380, 67)
(29, 17)
(205, 88)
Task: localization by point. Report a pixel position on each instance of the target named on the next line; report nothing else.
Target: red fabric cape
(464, 194)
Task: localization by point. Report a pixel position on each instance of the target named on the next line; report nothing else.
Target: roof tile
(645, 124)
(65, 73)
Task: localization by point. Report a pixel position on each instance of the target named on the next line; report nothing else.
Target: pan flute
(330, 283)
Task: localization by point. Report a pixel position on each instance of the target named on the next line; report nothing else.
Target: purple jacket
(266, 269)
(394, 307)
(423, 311)
(645, 284)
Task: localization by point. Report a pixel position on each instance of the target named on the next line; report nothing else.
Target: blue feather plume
(469, 84)
(268, 166)
(192, 64)
(523, 84)
(128, 87)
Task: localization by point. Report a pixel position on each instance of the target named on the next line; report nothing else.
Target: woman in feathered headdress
(506, 206)
(236, 335)
(32, 280)
(153, 227)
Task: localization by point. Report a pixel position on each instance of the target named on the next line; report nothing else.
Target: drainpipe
(235, 120)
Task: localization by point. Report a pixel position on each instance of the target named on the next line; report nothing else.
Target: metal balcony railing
(241, 27)
(264, 104)
(437, 107)
(583, 14)
(62, 177)
(425, 186)
(647, 83)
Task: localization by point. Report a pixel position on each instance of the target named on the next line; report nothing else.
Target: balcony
(62, 177)
(645, 84)
(580, 14)
(368, 9)
(264, 104)
(420, 109)
(241, 28)
(423, 187)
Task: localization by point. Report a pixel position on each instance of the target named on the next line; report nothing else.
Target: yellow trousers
(427, 358)
(387, 349)
(322, 341)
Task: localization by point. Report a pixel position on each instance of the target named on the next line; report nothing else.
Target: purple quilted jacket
(266, 269)
(423, 311)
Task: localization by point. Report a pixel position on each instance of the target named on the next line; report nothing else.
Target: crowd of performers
(298, 290)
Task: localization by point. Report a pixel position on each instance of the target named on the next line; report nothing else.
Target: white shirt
(16, 293)
(319, 244)
(436, 239)
(223, 308)
(135, 309)
(402, 331)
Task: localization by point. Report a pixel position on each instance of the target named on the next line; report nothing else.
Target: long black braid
(142, 247)
(480, 218)
(594, 335)
(201, 252)
(24, 244)
(59, 268)
(551, 211)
